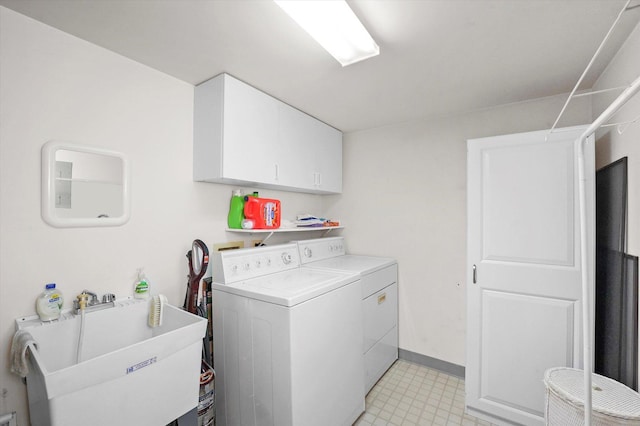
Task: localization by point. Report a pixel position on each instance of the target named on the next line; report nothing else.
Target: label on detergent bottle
(263, 212)
(269, 214)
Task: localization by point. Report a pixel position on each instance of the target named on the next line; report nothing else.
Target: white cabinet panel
(250, 133)
(315, 150)
(295, 148)
(328, 157)
(244, 136)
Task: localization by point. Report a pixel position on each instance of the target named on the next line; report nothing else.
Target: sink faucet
(91, 302)
(93, 298)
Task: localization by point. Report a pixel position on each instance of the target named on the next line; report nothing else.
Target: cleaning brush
(156, 310)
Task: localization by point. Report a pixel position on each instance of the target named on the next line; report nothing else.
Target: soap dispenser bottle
(49, 304)
(141, 287)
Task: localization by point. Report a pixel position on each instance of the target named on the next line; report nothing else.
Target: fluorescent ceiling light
(333, 24)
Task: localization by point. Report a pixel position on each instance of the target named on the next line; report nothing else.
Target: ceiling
(437, 56)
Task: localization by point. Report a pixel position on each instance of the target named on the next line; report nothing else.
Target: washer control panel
(238, 265)
(320, 249)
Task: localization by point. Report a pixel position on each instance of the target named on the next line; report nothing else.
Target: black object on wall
(611, 206)
(616, 322)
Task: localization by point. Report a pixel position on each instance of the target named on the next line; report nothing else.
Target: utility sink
(128, 374)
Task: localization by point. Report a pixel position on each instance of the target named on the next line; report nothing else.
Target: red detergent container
(264, 212)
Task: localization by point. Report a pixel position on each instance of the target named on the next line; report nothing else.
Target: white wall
(404, 187)
(610, 145)
(405, 197)
(56, 86)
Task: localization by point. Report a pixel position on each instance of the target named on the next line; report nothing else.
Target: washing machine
(287, 340)
(379, 276)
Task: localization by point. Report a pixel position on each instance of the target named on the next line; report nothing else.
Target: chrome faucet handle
(94, 297)
(108, 297)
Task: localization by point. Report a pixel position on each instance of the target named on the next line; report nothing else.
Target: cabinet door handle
(475, 274)
(277, 170)
(382, 298)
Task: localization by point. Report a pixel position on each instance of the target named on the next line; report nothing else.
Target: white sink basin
(129, 374)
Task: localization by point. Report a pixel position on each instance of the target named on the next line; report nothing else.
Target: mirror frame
(48, 191)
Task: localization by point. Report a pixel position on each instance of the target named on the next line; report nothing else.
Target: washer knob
(286, 258)
(307, 252)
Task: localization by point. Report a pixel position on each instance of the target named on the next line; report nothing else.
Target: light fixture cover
(333, 24)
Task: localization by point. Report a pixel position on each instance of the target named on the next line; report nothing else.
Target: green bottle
(236, 210)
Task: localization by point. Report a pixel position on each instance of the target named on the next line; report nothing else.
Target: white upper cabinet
(328, 160)
(316, 151)
(243, 136)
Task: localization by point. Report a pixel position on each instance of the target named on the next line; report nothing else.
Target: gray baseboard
(435, 363)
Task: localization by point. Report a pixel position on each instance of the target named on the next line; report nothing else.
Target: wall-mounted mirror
(84, 186)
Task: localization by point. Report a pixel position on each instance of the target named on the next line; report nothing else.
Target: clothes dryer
(379, 276)
(287, 340)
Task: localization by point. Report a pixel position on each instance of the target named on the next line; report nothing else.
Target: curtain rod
(584, 73)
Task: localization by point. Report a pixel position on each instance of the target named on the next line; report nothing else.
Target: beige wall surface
(405, 197)
(404, 186)
(56, 86)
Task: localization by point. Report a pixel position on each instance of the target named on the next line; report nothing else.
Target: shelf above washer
(326, 230)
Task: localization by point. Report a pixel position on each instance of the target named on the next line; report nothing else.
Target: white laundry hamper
(613, 403)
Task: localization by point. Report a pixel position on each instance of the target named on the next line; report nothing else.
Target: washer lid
(291, 287)
(354, 263)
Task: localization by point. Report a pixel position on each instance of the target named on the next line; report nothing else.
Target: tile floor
(411, 394)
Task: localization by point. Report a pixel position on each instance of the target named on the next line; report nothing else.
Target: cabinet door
(524, 299)
(250, 133)
(328, 160)
(296, 149)
(310, 152)
(244, 136)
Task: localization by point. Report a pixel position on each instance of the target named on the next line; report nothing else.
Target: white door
(524, 281)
